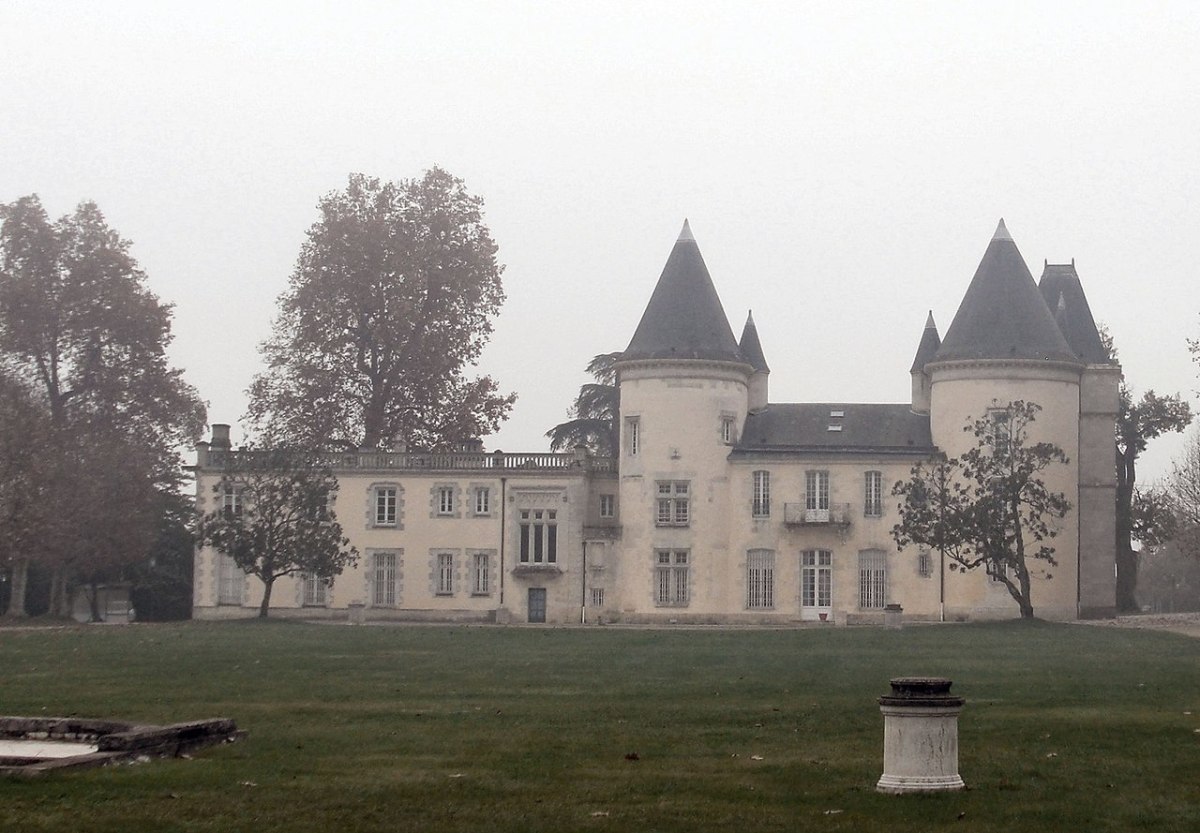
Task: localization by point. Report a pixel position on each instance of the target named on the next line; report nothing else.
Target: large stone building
(723, 506)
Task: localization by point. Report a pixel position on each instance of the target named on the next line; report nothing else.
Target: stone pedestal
(920, 736)
(893, 617)
(358, 613)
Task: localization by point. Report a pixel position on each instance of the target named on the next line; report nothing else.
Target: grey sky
(843, 164)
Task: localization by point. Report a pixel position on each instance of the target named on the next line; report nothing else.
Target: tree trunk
(268, 584)
(1126, 558)
(93, 592)
(20, 581)
(58, 586)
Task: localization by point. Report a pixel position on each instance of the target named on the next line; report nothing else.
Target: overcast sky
(843, 165)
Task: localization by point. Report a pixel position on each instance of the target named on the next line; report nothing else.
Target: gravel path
(1187, 624)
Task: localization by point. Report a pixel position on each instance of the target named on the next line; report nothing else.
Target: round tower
(1004, 346)
(684, 388)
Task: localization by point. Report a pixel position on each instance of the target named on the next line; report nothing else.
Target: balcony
(797, 514)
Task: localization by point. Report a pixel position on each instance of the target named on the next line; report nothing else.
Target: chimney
(220, 436)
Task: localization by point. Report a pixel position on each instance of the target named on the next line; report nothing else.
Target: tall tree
(1137, 423)
(281, 523)
(1183, 487)
(79, 327)
(390, 302)
(593, 416)
(989, 507)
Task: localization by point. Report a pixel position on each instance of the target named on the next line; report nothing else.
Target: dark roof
(684, 318)
(1003, 315)
(1064, 296)
(927, 349)
(865, 427)
(751, 348)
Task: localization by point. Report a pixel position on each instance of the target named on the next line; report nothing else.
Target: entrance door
(816, 584)
(537, 604)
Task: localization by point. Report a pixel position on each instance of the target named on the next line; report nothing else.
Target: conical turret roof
(751, 348)
(684, 318)
(1063, 292)
(1003, 315)
(927, 349)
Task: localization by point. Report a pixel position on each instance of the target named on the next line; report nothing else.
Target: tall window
(481, 580)
(445, 500)
(539, 536)
(483, 500)
(760, 579)
(816, 495)
(607, 506)
(385, 506)
(872, 579)
(673, 503)
(816, 578)
(873, 495)
(231, 500)
(727, 429)
(230, 580)
(762, 495)
(597, 597)
(315, 588)
(924, 563)
(383, 589)
(445, 574)
(671, 578)
(633, 436)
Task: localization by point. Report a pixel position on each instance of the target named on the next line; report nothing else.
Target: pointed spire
(1062, 290)
(684, 318)
(927, 349)
(751, 347)
(1002, 314)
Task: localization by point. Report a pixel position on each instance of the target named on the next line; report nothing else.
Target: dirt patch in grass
(1187, 624)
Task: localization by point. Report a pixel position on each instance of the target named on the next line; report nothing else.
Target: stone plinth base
(920, 737)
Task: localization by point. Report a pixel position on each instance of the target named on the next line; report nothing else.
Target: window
(483, 500)
(383, 575)
(597, 597)
(607, 506)
(231, 500)
(445, 500)
(315, 588)
(873, 497)
(633, 436)
(727, 429)
(671, 578)
(385, 506)
(816, 496)
(762, 495)
(230, 580)
(816, 578)
(872, 579)
(760, 579)
(673, 504)
(539, 536)
(998, 572)
(480, 574)
(1001, 433)
(924, 564)
(445, 574)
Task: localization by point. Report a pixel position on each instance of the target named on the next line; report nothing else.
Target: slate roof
(751, 348)
(1063, 293)
(865, 427)
(1003, 314)
(927, 349)
(684, 318)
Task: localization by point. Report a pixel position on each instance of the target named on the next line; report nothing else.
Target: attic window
(835, 427)
(836, 414)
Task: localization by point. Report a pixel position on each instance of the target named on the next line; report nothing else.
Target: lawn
(1066, 727)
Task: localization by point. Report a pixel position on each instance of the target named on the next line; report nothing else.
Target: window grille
(760, 579)
(872, 579)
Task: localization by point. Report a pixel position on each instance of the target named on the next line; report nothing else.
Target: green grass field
(523, 729)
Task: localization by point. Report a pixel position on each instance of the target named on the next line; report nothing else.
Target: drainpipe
(503, 515)
(583, 589)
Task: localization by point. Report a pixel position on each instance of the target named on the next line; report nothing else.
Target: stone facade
(722, 507)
